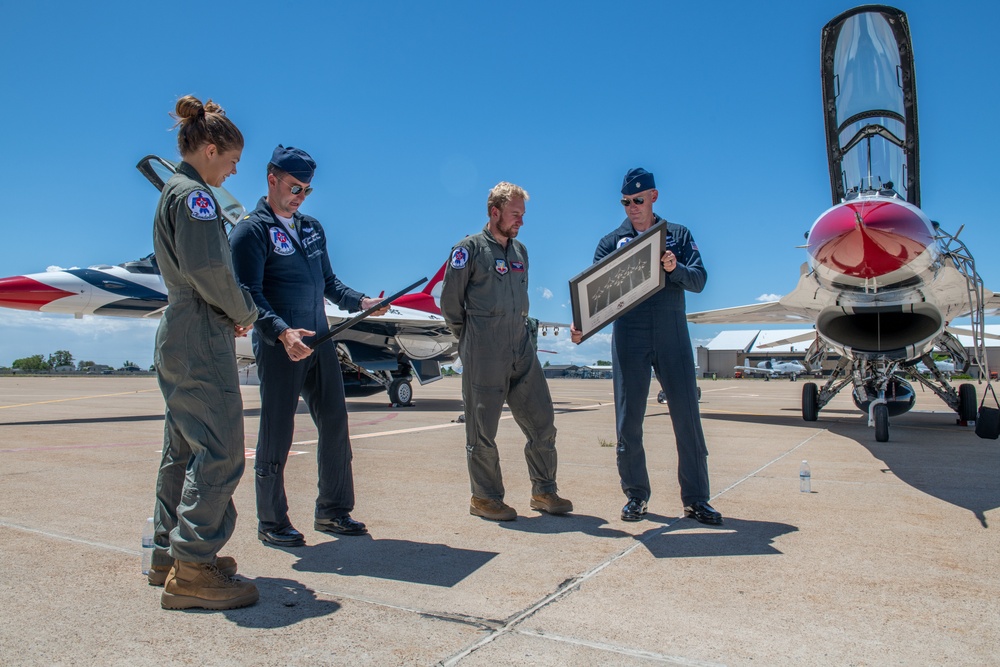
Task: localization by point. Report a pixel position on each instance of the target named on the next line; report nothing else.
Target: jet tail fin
(429, 299)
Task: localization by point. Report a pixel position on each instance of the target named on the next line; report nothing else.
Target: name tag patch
(517, 266)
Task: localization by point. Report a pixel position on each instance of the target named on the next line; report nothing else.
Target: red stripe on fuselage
(27, 294)
(868, 239)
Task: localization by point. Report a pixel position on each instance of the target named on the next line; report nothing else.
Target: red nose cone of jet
(24, 293)
(867, 239)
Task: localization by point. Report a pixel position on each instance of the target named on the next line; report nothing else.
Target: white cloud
(546, 293)
(763, 298)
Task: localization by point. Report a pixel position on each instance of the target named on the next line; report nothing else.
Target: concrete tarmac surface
(892, 559)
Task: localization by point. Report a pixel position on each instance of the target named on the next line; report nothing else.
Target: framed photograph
(619, 282)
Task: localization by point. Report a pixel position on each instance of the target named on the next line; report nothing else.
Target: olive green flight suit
(484, 300)
(195, 359)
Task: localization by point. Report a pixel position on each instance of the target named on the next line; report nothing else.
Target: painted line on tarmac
(76, 398)
(435, 427)
(53, 448)
(68, 538)
(633, 652)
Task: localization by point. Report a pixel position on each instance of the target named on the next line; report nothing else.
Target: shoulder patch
(459, 258)
(623, 241)
(279, 238)
(201, 205)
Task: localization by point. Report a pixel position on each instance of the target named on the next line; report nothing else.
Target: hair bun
(189, 107)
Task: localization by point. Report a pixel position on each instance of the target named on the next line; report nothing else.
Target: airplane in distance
(775, 369)
(378, 353)
(943, 366)
(883, 283)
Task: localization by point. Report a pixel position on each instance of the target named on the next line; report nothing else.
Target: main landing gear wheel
(810, 402)
(967, 408)
(661, 398)
(881, 414)
(401, 392)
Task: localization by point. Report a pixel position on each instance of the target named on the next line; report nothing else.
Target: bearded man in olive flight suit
(484, 300)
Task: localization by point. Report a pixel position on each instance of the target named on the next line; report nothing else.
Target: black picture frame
(619, 282)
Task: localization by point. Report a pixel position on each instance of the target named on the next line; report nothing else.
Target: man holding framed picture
(654, 333)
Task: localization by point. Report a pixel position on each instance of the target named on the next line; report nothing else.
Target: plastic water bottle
(147, 546)
(805, 478)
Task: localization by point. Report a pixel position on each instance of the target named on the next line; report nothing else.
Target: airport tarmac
(891, 559)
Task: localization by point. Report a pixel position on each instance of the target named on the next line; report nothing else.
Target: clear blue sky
(414, 110)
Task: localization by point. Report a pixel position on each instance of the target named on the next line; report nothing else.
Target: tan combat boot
(157, 574)
(203, 586)
(492, 509)
(551, 503)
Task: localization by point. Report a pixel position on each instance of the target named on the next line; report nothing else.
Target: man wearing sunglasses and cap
(280, 257)
(655, 333)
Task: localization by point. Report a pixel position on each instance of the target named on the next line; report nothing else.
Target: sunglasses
(628, 202)
(296, 189)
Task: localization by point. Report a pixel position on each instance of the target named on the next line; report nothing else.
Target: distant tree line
(59, 359)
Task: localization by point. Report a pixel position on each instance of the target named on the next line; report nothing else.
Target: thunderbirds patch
(624, 240)
(201, 205)
(459, 258)
(282, 245)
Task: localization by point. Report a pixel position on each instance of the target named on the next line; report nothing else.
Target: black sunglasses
(628, 202)
(296, 189)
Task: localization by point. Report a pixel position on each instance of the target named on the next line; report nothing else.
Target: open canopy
(870, 104)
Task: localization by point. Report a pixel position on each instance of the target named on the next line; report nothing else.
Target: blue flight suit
(195, 359)
(288, 280)
(655, 333)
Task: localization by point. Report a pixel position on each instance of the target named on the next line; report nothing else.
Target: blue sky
(414, 110)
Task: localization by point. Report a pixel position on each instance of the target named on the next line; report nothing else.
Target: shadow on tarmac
(672, 537)
(686, 538)
(283, 603)
(954, 466)
(549, 524)
(398, 560)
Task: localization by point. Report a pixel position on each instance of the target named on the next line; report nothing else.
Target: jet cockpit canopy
(870, 104)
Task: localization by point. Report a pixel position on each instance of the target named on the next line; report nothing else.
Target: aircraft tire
(661, 397)
(810, 402)
(699, 393)
(967, 405)
(401, 392)
(881, 414)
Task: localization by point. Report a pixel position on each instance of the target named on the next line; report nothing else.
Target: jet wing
(770, 312)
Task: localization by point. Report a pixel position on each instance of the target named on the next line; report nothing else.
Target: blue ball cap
(637, 180)
(295, 162)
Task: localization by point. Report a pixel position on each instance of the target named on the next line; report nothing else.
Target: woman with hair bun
(195, 359)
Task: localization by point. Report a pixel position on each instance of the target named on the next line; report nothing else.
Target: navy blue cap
(637, 180)
(295, 162)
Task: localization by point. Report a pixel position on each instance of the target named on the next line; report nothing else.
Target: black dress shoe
(282, 537)
(634, 510)
(340, 525)
(703, 513)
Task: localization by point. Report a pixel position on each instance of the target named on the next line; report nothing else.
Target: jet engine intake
(892, 332)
